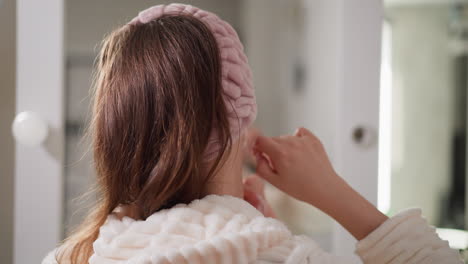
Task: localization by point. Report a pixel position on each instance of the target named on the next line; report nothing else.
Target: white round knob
(29, 129)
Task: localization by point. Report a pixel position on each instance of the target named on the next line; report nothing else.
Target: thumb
(268, 146)
(264, 169)
(254, 199)
(256, 183)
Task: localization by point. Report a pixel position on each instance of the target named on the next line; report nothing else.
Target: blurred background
(420, 138)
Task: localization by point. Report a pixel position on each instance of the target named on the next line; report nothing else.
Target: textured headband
(238, 91)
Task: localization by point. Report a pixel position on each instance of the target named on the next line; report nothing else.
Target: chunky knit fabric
(225, 229)
(406, 238)
(239, 96)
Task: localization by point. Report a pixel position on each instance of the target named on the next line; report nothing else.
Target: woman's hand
(299, 166)
(254, 193)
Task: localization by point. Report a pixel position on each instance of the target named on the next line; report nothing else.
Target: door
(359, 48)
(342, 55)
(343, 107)
(39, 165)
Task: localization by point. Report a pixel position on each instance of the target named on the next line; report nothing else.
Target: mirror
(424, 84)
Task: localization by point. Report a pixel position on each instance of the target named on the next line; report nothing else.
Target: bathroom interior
(421, 136)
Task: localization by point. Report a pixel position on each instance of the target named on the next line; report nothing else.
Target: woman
(173, 99)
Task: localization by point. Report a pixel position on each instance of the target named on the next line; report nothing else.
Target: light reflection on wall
(385, 127)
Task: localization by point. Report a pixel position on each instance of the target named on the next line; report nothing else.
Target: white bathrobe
(225, 229)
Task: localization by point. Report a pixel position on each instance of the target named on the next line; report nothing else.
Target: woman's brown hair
(158, 98)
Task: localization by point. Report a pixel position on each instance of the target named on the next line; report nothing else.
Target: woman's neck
(228, 179)
(231, 186)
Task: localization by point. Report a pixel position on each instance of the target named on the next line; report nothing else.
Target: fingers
(298, 132)
(255, 183)
(264, 168)
(303, 132)
(254, 199)
(259, 202)
(268, 146)
(273, 146)
(272, 153)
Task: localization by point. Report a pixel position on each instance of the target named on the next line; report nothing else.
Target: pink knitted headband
(239, 95)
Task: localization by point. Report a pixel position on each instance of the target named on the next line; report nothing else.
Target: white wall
(7, 113)
(102, 16)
